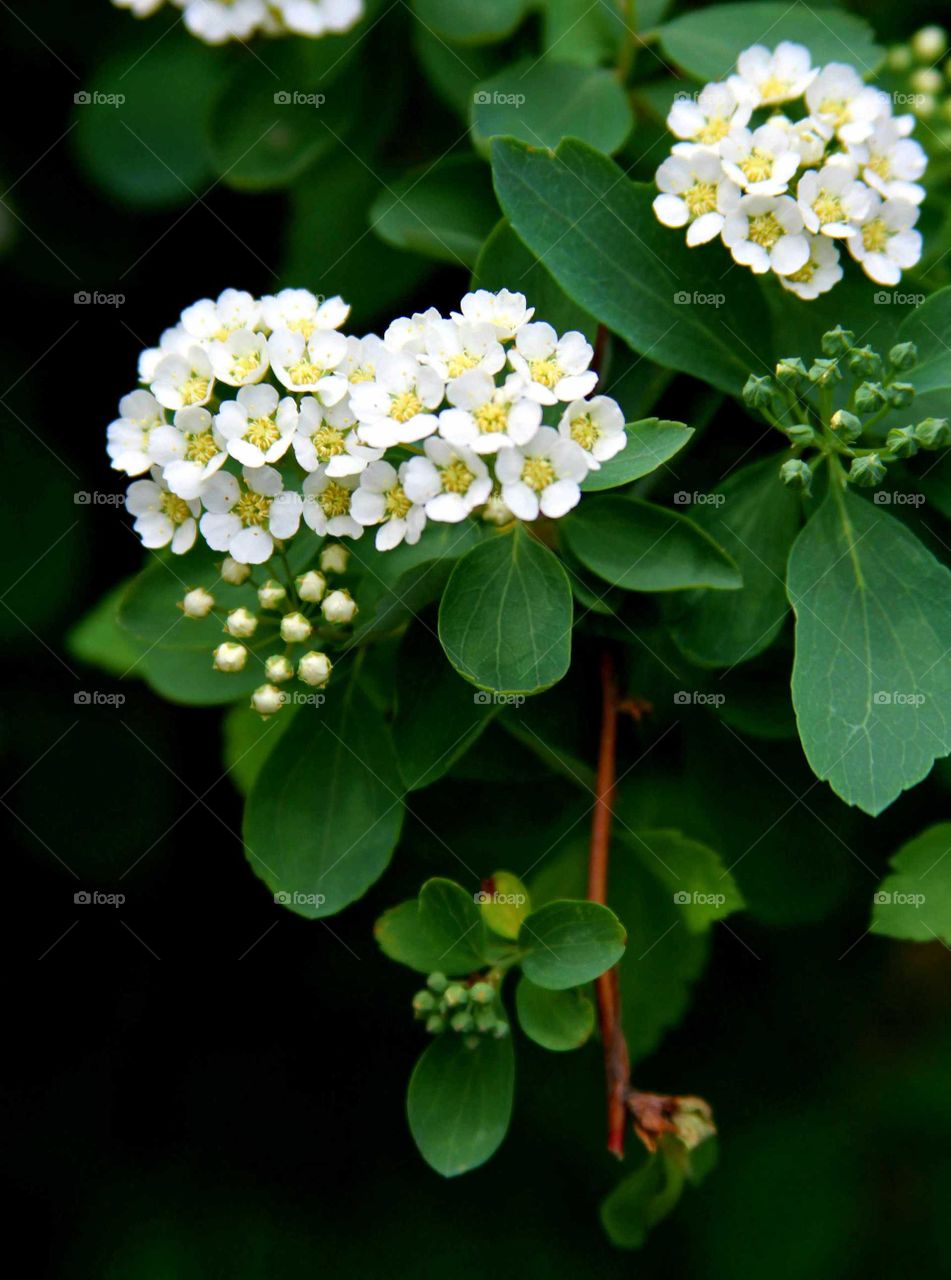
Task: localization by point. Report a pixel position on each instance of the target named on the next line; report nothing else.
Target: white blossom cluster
(785, 161)
(259, 414)
(217, 21)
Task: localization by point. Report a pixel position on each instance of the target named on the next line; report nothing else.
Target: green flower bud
(501, 1030)
(472, 1042)
(900, 395)
(796, 474)
(759, 393)
(933, 433)
(901, 442)
(867, 471)
(435, 1024)
(423, 1002)
(791, 372)
(865, 363)
(485, 1019)
(870, 397)
(437, 982)
(846, 425)
(462, 1021)
(904, 355)
(482, 993)
(837, 342)
(455, 996)
(899, 57)
(825, 372)
(801, 435)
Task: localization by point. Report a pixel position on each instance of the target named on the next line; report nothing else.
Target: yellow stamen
(716, 128)
(491, 418)
(585, 431)
(335, 500)
(757, 166)
(456, 478)
(828, 208)
(396, 502)
(701, 198)
(875, 236)
(545, 372)
(262, 433)
(201, 447)
(538, 473)
(404, 406)
(765, 230)
(175, 508)
(252, 509)
(328, 442)
(194, 390)
(458, 364)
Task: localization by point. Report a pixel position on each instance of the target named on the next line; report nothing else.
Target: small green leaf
(98, 640)
(914, 902)
(441, 930)
(248, 741)
(641, 1200)
(478, 21)
(460, 1101)
(505, 617)
(567, 943)
(505, 903)
(557, 1020)
(642, 547)
(445, 211)
(702, 888)
(650, 443)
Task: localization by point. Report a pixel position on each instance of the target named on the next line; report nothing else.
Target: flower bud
(424, 1002)
(801, 435)
(437, 982)
(933, 433)
(825, 372)
(867, 471)
(311, 586)
(485, 1019)
(925, 105)
(901, 442)
(242, 623)
(899, 57)
(903, 356)
(759, 393)
(314, 669)
(197, 604)
(435, 1024)
(838, 341)
(230, 656)
(900, 395)
(278, 668)
(796, 474)
(482, 992)
(501, 1030)
(455, 995)
(870, 397)
(846, 425)
(334, 559)
(233, 572)
(295, 628)
(267, 700)
(929, 43)
(926, 80)
(462, 1021)
(496, 512)
(272, 595)
(865, 363)
(791, 372)
(339, 606)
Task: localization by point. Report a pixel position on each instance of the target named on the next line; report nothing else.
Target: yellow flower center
(774, 87)
(879, 165)
(244, 366)
(758, 165)
(304, 326)
(328, 442)
(765, 230)
(701, 198)
(194, 390)
(366, 373)
(458, 364)
(585, 431)
(828, 208)
(457, 477)
(334, 500)
(491, 418)
(837, 109)
(546, 372)
(262, 433)
(396, 502)
(875, 236)
(716, 128)
(305, 373)
(805, 273)
(201, 447)
(252, 508)
(175, 508)
(538, 473)
(404, 406)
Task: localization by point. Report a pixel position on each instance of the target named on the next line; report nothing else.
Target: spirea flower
(218, 21)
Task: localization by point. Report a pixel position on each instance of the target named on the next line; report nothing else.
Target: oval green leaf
(650, 443)
(557, 1020)
(568, 943)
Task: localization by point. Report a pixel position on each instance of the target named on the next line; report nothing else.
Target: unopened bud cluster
(922, 71)
(830, 408)
(472, 1010)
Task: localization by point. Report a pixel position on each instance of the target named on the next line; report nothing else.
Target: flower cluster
(217, 21)
(784, 161)
(469, 1008)
(259, 414)
(801, 402)
(921, 84)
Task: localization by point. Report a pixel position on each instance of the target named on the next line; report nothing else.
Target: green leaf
(650, 443)
(707, 42)
(249, 739)
(441, 930)
(925, 326)
(541, 101)
(702, 888)
(597, 234)
(567, 943)
(755, 518)
(98, 640)
(505, 903)
(443, 211)
(324, 815)
(504, 259)
(557, 1020)
(914, 902)
(641, 1200)
(460, 1101)
(478, 21)
(505, 617)
(578, 31)
(454, 71)
(642, 547)
(871, 682)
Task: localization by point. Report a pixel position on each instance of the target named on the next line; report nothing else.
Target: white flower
(710, 118)
(766, 78)
(363, 355)
(173, 342)
(140, 8)
(161, 516)
(339, 606)
(197, 603)
(553, 368)
(807, 138)
(189, 452)
(217, 21)
(300, 311)
(408, 333)
(832, 199)
(314, 669)
(181, 380)
(885, 243)
(258, 426)
(327, 505)
(382, 500)
(397, 407)
(761, 162)
(453, 349)
(820, 272)
(326, 437)
(767, 232)
(310, 364)
(506, 311)
(245, 520)
(695, 194)
(542, 475)
(487, 418)
(450, 481)
(839, 100)
(597, 426)
(127, 439)
(891, 162)
(241, 360)
(213, 321)
(317, 17)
